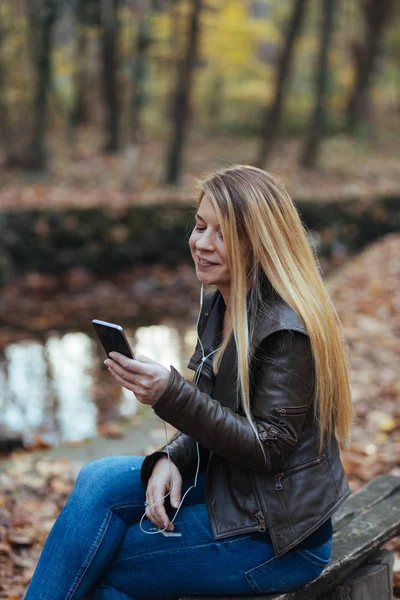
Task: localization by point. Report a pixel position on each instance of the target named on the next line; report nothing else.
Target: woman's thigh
(150, 567)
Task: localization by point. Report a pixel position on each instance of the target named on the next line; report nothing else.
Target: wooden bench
(358, 569)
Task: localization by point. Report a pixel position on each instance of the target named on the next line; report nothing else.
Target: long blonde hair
(259, 221)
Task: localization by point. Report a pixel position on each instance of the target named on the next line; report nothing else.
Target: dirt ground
(82, 176)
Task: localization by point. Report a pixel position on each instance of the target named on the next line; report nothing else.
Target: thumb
(144, 359)
(175, 497)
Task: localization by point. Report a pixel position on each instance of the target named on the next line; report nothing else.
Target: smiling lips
(205, 263)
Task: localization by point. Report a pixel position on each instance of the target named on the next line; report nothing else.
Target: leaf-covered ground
(366, 294)
(84, 176)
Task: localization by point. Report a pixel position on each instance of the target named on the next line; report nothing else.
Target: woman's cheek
(192, 244)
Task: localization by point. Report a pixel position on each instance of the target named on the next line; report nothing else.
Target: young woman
(259, 428)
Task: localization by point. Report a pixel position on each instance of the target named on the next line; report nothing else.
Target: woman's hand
(146, 378)
(158, 485)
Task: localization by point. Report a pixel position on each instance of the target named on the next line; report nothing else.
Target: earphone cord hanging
(195, 381)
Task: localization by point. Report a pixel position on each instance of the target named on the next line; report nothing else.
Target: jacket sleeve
(282, 381)
(182, 448)
(182, 451)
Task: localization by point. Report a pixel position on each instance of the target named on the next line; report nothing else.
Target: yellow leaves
(229, 36)
(249, 90)
(161, 26)
(382, 420)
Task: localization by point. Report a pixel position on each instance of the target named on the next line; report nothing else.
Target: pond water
(56, 385)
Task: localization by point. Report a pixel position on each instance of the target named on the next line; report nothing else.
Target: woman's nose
(205, 242)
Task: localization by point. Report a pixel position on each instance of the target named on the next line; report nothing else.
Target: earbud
(195, 381)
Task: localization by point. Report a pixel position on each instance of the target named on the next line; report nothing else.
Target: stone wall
(107, 241)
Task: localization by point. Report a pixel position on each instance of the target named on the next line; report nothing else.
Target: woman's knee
(93, 470)
(102, 476)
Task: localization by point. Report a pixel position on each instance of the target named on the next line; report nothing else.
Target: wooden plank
(365, 498)
(372, 581)
(352, 544)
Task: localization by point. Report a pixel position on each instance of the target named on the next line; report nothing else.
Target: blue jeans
(96, 550)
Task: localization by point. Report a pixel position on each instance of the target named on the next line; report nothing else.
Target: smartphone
(112, 338)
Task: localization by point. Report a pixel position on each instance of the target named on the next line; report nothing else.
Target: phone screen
(112, 338)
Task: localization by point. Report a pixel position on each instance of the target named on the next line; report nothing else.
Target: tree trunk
(81, 111)
(376, 13)
(5, 129)
(41, 22)
(181, 98)
(270, 127)
(316, 127)
(109, 36)
(143, 42)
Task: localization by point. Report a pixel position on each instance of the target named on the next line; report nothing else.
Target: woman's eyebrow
(199, 217)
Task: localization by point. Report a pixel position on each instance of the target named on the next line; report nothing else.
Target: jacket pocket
(284, 411)
(318, 556)
(290, 410)
(305, 465)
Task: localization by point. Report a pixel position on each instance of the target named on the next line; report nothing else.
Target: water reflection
(70, 361)
(59, 387)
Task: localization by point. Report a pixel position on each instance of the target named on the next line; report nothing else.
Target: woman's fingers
(146, 378)
(126, 384)
(164, 478)
(157, 514)
(120, 372)
(153, 517)
(138, 367)
(162, 515)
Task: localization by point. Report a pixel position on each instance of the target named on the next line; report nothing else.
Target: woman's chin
(204, 278)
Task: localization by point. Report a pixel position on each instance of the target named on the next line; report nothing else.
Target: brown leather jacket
(291, 488)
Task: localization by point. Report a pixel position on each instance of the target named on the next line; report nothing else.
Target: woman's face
(208, 248)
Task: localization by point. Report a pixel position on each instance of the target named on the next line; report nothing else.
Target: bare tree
(109, 35)
(42, 15)
(271, 124)
(181, 100)
(376, 16)
(5, 128)
(81, 111)
(316, 127)
(143, 41)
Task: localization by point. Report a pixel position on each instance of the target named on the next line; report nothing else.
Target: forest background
(109, 112)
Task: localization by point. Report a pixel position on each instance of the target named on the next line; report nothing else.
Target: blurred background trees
(164, 69)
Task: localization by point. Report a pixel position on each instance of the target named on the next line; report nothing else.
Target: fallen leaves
(86, 177)
(34, 492)
(366, 295)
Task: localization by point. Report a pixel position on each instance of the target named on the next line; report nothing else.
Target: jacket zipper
(261, 521)
(290, 410)
(259, 515)
(310, 463)
(274, 434)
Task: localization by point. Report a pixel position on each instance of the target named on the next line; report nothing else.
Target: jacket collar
(278, 316)
(210, 328)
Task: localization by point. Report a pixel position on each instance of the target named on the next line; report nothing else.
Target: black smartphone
(112, 338)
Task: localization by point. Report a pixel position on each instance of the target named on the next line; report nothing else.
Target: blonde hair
(259, 221)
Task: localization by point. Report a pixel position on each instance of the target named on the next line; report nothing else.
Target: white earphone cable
(195, 381)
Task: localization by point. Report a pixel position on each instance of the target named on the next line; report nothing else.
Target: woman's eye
(198, 228)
